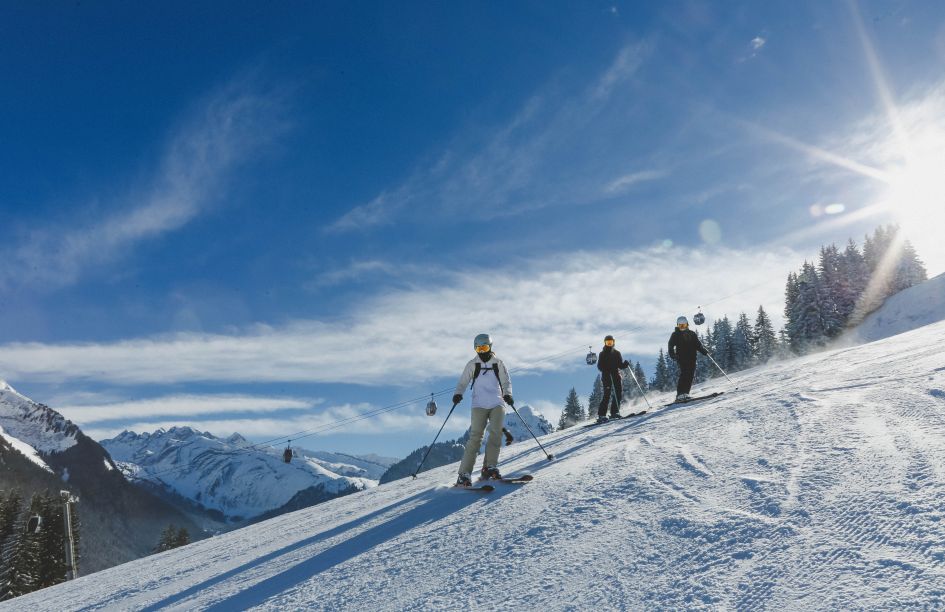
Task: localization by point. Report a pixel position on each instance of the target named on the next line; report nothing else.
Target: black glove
(626, 364)
(457, 398)
(508, 437)
(673, 357)
(508, 399)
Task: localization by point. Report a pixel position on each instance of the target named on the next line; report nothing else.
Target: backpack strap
(475, 374)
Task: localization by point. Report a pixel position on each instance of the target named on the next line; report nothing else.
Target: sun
(915, 193)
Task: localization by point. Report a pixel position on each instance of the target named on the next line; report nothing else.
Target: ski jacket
(610, 360)
(683, 345)
(488, 388)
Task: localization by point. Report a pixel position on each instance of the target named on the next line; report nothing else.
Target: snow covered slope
(820, 484)
(907, 310)
(224, 475)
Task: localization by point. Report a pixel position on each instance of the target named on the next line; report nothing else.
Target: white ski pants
(494, 417)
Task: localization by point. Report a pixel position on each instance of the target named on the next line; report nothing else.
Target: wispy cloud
(625, 182)
(331, 420)
(532, 308)
(221, 132)
(190, 406)
(757, 43)
(542, 156)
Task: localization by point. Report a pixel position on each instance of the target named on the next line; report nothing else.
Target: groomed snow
(820, 484)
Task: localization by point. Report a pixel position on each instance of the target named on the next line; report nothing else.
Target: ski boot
(463, 480)
(601, 419)
(490, 473)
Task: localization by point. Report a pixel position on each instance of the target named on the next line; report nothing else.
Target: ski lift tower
(67, 500)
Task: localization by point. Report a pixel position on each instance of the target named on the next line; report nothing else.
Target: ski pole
(427, 454)
(642, 392)
(721, 370)
(547, 454)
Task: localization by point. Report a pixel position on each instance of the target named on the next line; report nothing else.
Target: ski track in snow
(820, 484)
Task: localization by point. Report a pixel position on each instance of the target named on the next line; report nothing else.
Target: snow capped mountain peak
(228, 475)
(37, 426)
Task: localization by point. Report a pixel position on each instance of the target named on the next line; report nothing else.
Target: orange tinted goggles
(608, 342)
(683, 326)
(483, 348)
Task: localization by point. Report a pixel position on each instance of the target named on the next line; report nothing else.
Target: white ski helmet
(482, 340)
(682, 321)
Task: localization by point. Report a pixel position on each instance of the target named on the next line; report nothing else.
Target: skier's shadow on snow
(428, 506)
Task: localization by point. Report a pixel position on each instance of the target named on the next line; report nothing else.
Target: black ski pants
(612, 384)
(687, 370)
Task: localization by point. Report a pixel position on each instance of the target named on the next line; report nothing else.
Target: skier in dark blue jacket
(610, 362)
(683, 346)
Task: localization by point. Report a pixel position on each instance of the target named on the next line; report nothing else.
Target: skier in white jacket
(492, 390)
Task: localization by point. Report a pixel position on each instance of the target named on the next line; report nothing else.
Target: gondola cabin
(591, 357)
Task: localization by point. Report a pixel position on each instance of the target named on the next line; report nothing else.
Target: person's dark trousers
(609, 381)
(687, 370)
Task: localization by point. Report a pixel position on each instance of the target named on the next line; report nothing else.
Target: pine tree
(596, 397)
(909, 269)
(168, 539)
(766, 342)
(573, 411)
(791, 311)
(640, 376)
(855, 277)
(831, 277)
(742, 340)
(52, 565)
(182, 538)
(811, 328)
(724, 343)
(704, 368)
(660, 377)
(10, 509)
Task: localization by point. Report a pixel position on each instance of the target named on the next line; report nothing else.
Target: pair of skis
(695, 399)
(679, 403)
(485, 488)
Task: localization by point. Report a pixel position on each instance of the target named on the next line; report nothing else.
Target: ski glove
(457, 398)
(626, 364)
(508, 399)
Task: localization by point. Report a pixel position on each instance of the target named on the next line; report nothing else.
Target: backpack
(494, 368)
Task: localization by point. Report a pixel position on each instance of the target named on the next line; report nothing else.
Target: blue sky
(268, 218)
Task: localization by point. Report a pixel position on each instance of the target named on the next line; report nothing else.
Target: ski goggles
(608, 342)
(682, 326)
(483, 348)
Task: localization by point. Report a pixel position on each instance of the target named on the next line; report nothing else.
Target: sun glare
(916, 197)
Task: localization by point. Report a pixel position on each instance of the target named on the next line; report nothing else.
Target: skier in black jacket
(610, 362)
(683, 346)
